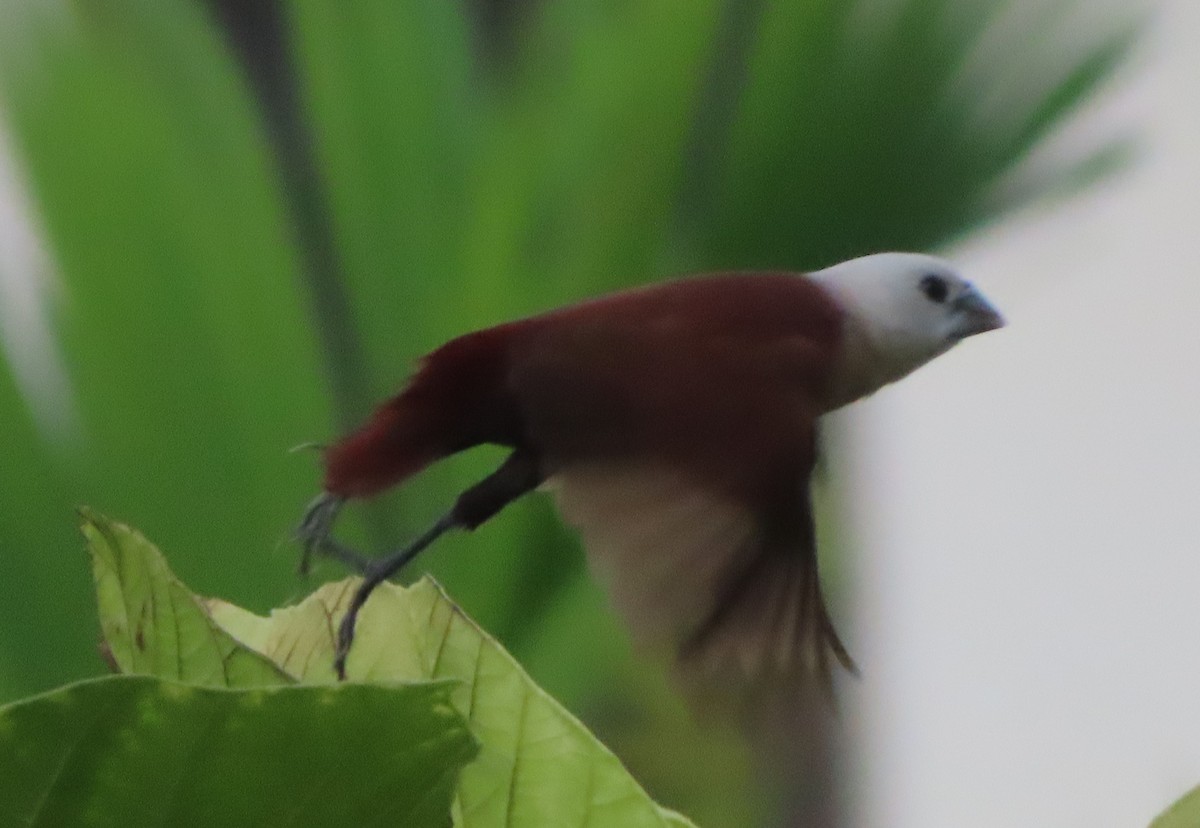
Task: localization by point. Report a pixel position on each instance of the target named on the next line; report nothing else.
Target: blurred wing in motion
(733, 593)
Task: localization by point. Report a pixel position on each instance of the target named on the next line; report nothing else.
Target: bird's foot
(375, 572)
(315, 535)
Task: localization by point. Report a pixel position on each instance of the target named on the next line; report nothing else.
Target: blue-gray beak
(973, 314)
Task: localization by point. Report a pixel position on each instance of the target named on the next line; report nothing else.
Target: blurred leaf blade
(845, 128)
(390, 107)
(138, 751)
(183, 322)
(1081, 80)
(597, 117)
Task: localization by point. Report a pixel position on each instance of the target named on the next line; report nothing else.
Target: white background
(1027, 510)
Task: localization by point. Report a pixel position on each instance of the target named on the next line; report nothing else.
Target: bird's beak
(974, 315)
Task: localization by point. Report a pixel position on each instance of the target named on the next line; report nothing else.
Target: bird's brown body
(739, 364)
(684, 411)
(676, 425)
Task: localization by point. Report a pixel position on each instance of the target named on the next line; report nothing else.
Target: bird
(676, 425)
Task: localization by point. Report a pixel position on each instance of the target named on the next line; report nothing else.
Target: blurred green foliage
(235, 282)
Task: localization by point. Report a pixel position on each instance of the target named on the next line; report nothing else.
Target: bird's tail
(455, 400)
(395, 443)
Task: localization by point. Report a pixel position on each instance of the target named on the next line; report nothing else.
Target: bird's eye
(935, 288)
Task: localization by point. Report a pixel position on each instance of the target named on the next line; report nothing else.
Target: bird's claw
(314, 530)
(314, 534)
(374, 573)
(345, 638)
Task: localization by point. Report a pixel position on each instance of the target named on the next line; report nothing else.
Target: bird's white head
(902, 310)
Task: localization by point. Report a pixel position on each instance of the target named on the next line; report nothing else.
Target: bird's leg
(516, 476)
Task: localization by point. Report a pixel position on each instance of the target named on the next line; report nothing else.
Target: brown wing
(733, 593)
(678, 431)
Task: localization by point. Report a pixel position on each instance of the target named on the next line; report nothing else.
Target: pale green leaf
(151, 622)
(538, 765)
(1183, 814)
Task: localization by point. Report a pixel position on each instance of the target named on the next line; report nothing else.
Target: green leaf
(1183, 814)
(153, 625)
(538, 765)
(137, 751)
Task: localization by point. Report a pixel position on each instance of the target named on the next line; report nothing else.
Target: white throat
(890, 328)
